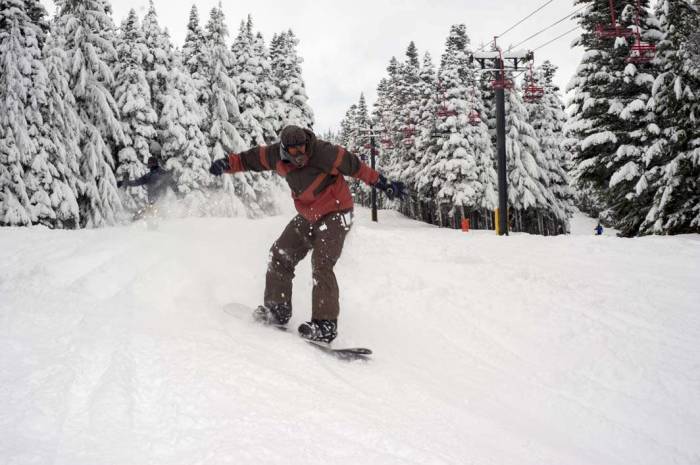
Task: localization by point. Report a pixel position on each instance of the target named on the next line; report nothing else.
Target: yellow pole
(498, 223)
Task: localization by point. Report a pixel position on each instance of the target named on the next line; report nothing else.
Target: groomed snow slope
(114, 349)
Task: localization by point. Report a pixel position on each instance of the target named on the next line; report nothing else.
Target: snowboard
(347, 353)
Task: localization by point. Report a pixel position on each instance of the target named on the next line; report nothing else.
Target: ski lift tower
(494, 62)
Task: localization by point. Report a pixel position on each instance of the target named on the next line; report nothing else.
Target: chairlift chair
(640, 52)
(443, 111)
(501, 82)
(612, 30)
(532, 92)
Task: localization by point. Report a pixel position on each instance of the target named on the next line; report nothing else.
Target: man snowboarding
(157, 182)
(314, 171)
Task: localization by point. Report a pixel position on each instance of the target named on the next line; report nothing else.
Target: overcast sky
(346, 46)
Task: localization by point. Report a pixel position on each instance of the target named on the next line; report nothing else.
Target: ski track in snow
(114, 348)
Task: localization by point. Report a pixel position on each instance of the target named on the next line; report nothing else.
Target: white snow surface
(578, 349)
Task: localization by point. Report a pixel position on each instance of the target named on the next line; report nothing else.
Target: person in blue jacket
(598, 230)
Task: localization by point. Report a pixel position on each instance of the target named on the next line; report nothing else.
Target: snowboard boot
(319, 330)
(273, 314)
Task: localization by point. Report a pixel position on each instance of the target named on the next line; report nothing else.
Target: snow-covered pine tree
(385, 117)
(479, 137)
(223, 117)
(19, 54)
(348, 130)
(329, 135)
(409, 90)
(133, 96)
(610, 116)
(426, 150)
(37, 14)
(360, 145)
(287, 75)
(158, 60)
(249, 91)
(673, 164)
(56, 168)
(88, 36)
(184, 146)
(33, 176)
(275, 106)
(194, 57)
(362, 123)
(547, 117)
(529, 196)
(482, 100)
(453, 172)
(273, 116)
(251, 94)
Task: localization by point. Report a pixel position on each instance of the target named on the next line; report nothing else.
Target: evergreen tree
(88, 35)
(362, 121)
(547, 117)
(249, 91)
(426, 123)
(56, 167)
(253, 89)
(611, 120)
(33, 174)
(385, 116)
(19, 57)
(453, 171)
(133, 96)
(348, 129)
(223, 116)
(360, 144)
(37, 14)
(673, 164)
(184, 145)
(270, 93)
(409, 90)
(286, 71)
(194, 57)
(158, 59)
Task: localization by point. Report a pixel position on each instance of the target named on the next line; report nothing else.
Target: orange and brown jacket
(318, 188)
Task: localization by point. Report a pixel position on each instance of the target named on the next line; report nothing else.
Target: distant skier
(314, 170)
(157, 182)
(598, 230)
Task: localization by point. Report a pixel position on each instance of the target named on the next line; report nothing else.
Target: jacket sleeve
(143, 180)
(338, 160)
(261, 158)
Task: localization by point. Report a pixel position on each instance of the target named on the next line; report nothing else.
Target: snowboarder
(598, 230)
(157, 182)
(314, 170)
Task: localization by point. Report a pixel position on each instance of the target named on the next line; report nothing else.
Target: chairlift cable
(525, 18)
(516, 24)
(556, 38)
(548, 27)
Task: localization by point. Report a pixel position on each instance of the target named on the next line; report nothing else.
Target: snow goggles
(295, 154)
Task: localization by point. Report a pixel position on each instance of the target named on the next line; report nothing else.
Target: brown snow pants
(325, 237)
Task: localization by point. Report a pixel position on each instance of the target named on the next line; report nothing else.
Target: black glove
(219, 167)
(120, 183)
(391, 188)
